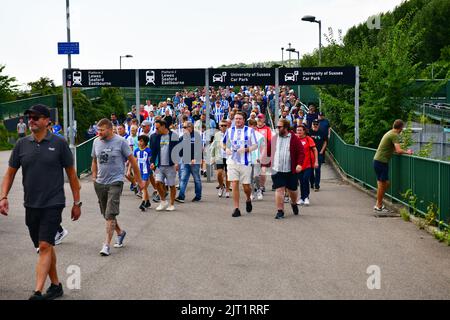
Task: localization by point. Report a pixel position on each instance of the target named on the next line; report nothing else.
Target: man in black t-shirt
(42, 157)
(321, 140)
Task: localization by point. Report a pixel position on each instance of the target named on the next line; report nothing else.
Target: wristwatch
(77, 203)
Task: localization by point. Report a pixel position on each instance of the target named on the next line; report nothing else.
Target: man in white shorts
(239, 142)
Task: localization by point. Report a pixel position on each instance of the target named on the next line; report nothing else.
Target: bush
(4, 137)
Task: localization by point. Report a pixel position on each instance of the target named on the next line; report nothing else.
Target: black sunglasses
(185, 127)
(278, 127)
(223, 125)
(35, 118)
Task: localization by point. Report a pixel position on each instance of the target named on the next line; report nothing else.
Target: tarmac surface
(200, 252)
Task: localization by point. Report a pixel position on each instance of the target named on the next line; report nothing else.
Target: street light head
(128, 56)
(291, 50)
(309, 18)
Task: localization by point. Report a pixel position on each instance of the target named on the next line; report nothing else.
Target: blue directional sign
(68, 48)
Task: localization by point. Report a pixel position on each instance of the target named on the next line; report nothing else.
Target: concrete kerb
(419, 222)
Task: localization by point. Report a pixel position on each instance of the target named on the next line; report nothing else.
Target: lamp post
(289, 50)
(313, 19)
(125, 56)
(298, 62)
(282, 56)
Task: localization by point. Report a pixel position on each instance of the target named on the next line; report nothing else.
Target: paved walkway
(200, 252)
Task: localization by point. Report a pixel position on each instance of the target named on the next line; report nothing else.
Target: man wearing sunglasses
(42, 156)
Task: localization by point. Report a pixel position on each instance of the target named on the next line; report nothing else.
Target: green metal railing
(16, 108)
(434, 113)
(428, 179)
(83, 156)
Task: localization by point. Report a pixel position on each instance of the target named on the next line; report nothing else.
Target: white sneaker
(252, 196)
(300, 202)
(60, 236)
(170, 208)
(162, 206)
(221, 191)
(307, 202)
(286, 199)
(227, 194)
(259, 195)
(105, 250)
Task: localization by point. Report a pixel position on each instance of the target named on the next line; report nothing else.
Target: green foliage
(4, 135)
(432, 214)
(8, 87)
(43, 86)
(426, 150)
(404, 214)
(411, 199)
(406, 139)
(87, 113)
(390, 59)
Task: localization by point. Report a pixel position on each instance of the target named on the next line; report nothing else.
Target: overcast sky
(166, 34)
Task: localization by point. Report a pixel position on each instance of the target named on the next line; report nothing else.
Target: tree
(8, 87)
(43, 86)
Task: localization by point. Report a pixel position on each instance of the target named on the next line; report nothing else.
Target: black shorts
(381, 170)
(43, 223)
(285, 179)
(223, 165)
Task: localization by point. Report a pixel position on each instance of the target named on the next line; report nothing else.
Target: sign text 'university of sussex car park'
(317, 75)
(241, 76)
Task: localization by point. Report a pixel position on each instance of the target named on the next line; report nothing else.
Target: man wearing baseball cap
(42, 156)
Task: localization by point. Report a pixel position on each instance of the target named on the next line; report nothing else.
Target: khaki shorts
(109, 198)
(240, 172)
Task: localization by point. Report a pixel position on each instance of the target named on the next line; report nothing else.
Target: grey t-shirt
(164, 155)
(42, 169)
(111, 157)
(21, 127)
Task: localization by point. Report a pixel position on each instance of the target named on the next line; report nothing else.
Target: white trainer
(221, 191)
(300, 202)
(227, 194)
(170, 208)
(105, 250)
(307, 202)
(60, 236)
(259, 195)
(162, 206)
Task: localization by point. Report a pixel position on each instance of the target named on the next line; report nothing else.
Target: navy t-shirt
(319, 138)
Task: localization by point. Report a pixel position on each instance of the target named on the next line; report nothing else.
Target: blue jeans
(189, 169)
(315, 175)
(304, 177)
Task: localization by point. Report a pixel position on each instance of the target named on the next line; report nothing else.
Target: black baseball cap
(321, 113)
(39, 109)
(315, 121)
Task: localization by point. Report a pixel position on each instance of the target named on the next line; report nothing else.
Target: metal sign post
(277, 95)
(138, 97)
(357, 106)
(64, 103)
(208, 108)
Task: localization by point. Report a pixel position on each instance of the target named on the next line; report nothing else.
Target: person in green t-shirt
(388, 145)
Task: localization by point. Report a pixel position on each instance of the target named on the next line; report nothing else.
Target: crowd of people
(170, 142)
(236, 140)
